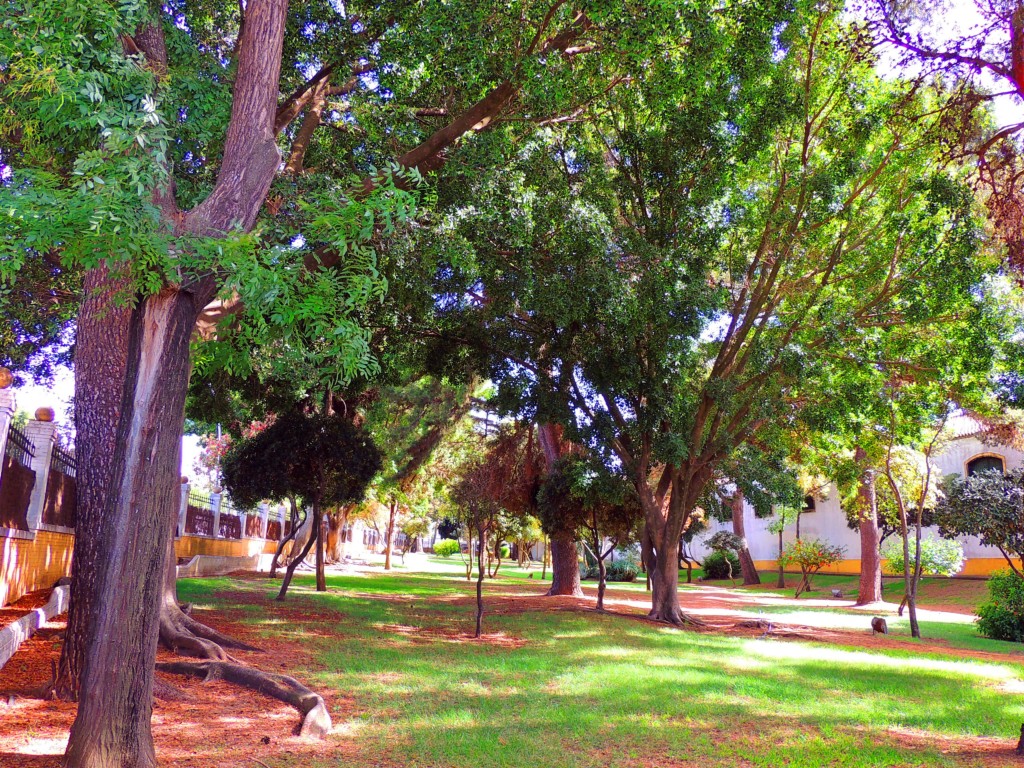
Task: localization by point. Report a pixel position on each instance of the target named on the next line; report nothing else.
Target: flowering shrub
(810, 556)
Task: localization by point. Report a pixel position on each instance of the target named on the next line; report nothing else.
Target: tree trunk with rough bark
(869, 589)
(750, 575)
(112, 728)
(565, 566)
(101, 356)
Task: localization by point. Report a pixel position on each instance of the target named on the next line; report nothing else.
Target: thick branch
(251, 156)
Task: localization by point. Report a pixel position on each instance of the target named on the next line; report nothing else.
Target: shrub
(447, 548)
(939, 557)
(1003, 617)
(505, 551)
(622, 570)
(810, 556)
(716, 565)
(626, 569)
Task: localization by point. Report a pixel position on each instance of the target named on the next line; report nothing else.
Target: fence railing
(19, 447)
(61, 499)
(200, 500)
(63, 461)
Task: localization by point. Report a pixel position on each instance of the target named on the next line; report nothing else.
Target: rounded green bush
(1002, 618)
(716, 565)
(447, 548)
(506, 551)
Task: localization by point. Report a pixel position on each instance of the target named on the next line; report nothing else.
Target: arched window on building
(809, 505)
(985, 463)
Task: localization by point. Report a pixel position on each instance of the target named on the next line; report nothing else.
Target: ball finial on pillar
(44, 414)
(6, 378)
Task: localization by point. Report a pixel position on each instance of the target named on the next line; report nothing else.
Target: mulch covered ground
(216, 724)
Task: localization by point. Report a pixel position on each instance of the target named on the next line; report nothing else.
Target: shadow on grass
(589, 689)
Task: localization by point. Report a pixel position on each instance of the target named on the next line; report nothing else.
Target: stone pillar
(215, 506)
(264, 519)
(8, 405)
(42, 432)
(280, 519)
(183, 507)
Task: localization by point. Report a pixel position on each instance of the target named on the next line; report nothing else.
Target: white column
(42, 432)
(264, 518)
(183, 507)
(215, 506)
(280, 519)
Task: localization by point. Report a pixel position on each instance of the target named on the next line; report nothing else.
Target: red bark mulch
(219, 725)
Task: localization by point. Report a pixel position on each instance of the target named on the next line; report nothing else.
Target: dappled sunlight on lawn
(779, 652)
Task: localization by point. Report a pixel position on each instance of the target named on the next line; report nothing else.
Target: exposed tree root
(677, 618)
(181, 633)
(316, 720)
(164, 691)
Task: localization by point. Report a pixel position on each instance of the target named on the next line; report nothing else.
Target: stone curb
(16, 633)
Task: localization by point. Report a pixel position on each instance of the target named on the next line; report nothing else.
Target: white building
(964, 454)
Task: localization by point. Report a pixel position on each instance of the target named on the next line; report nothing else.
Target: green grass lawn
(575, 688)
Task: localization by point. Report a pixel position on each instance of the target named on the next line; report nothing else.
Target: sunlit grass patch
(585, 689)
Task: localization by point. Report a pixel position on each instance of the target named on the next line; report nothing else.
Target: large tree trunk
(664, 570)
(112, 727)
(101, 354)
(565, 566)
(750, 575)
(869, 589)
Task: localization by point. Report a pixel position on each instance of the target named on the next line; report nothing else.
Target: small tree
(939, 557)
(696, 525)
(726, 543)
(784, 515)
(477, 493)
(989, 505)
(810, 556)
(324, 460)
